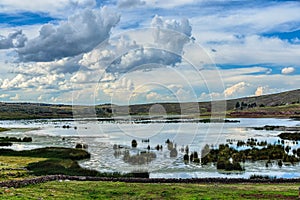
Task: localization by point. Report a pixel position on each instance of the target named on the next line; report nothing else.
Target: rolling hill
(284, 104)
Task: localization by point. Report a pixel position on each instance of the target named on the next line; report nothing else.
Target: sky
(142, 51)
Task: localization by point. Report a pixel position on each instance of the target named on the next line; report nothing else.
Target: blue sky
(139, 51)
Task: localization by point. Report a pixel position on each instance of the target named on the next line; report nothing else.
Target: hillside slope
(284, 104)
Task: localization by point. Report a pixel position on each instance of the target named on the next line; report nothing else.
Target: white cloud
(15, 98)
(170, 3)
(40, 98)
(236, 35)
(257, 49)
(130, 3)
(21, 81)
(246, 20)
(263, 90)
(236, 90)
(13, 83)
(81, 33)
(288, 70)
(259, 91)
(54, 8)
(169, 38)
(4, 96)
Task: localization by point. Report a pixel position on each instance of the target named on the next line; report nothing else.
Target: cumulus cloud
(79, 34)
(259, 91)
(288, 70)
(4, 96)
(15, 98)
(130, 3)
(263, 90)
(15, 39)
(21, 81)
(169, 38)
(238, 89)
(128, 53)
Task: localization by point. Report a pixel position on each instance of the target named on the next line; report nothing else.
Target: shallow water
(101, 136)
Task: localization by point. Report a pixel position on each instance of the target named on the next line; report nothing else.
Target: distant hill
(284, 104)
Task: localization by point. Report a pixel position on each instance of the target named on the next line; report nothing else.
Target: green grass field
(119, 190)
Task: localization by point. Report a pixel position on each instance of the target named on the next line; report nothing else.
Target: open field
(119, 190)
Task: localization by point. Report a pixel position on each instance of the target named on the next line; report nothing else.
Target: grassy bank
(118, 190)
(51, 160)
(16, 165)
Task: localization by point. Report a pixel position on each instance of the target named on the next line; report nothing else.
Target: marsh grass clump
(186, 158)
(8, 141)
(173, 153)
(228, 158)
(290, 136)
(27, 139)
(4, 129)
(229, 166)
(133, 143)
(5, 144)
(81, 146)
(49, 152)
(139, 159)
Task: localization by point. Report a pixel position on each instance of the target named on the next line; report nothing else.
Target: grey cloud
(79, 34)
(169, 37)
(130, 3)
(13, 40)
(143, 59)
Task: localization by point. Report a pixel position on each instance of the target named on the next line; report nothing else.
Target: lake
(102, 137)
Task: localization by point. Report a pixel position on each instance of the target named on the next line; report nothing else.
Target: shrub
(173, 153)
(27, 139)
(133, 143)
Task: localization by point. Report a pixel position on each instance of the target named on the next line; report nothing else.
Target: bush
(186, 157)
(133, 143)
(27, 139)
(228, 166)
(173, 153)
(4, 144)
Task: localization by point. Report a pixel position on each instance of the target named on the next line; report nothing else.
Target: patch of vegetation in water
(8, 141)
(139, 159)
(4, 129)
(49, 152)
(290, 136)
(62, 161)
(228, 158)
(15, 139)
(218, 121)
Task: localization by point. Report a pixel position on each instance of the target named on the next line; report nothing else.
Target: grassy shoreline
(37, 184)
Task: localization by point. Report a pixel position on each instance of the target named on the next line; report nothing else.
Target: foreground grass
(44, 161)
(118, 190)
(13, 167)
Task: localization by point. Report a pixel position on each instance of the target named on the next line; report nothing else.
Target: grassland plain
(119, 190)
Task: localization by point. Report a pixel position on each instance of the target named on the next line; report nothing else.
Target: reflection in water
(152, 153)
